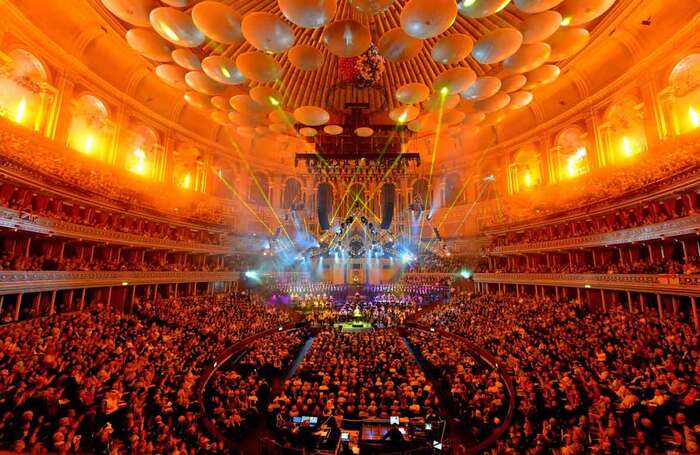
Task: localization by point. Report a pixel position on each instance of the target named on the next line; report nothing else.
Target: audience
(587, 381)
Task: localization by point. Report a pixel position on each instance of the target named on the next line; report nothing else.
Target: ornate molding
(688, 285)
(686, 225)
(12, 219)
(15, 282)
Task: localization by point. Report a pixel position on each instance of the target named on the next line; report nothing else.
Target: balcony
(688, 285)
(677, 227)
(12, 219)
(15, 282)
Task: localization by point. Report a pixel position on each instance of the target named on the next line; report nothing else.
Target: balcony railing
(667, 284)
(14, 282)
(12, 219)
(672, 228)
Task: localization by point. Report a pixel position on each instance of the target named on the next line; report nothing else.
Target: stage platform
(359, 326)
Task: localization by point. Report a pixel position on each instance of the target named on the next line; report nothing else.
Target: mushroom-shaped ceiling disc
(267, 32)
(305, 57)
(176, 27)
(333, 130)
(404, 114)
(308, 132)
(535, 6)
(492, 104)
(149, 44)
(528, 57)
(454, 80)
(258, 66)
(412, 93)
(452, 48)
(311, 115)
(266, 96)
(308, 13)
(424, 19)
(173, 75)
(220, 102)
(364, 131)
(513, 83)
(436, 101)
(186, 59)
(371, 6)
(520, 99)
(346, 38)
(567, 42)
(176, 3)
(395, 45)
(481, 8)
(218, 21)
(222, 70)
(545, 74)
(483, 88)
(134, 12)
(197, 80)
(280, 116)
(539, 27)
(453, 117)
(219, 117)
(196, 99)
(497, 45)
(245, 105)
(579, 12)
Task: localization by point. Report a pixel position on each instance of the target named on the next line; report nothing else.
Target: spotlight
(252, 274)
(466, 274)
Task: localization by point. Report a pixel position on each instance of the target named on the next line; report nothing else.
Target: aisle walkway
(300, 357)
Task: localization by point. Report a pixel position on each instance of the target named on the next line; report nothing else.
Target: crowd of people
(236, 395)
(476, 392)
(17, 262)
(21, 199)
(64, 168)
(599, 187)
(600, 224)
(110, 382)
(357, 376)
(639, 266)
(587, 381)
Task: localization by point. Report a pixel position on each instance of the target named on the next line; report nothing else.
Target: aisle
(300, 357)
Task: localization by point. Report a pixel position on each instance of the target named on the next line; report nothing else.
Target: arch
(684, 82)
(259, 193)
(572, 150)
(526, 168)
(185, 157)
(90, 128)
(24, 94)
(292, 193)
(453, 185)
(419, 190)
(142, 150)
(626, 134)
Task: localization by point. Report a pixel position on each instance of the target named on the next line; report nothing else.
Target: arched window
(419, 191)
(90, 128)
(292, 193)
(259, 193)
(453, 185)
(624, 131)
(685, 91)
(186, 157)
(526, 169)
(572, 153)
(142, 151)
(25, 94)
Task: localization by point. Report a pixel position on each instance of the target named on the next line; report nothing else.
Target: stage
(350, 326)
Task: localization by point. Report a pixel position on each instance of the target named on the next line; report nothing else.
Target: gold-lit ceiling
(489, 55)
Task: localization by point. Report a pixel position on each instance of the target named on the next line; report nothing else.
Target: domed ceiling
(264, 65)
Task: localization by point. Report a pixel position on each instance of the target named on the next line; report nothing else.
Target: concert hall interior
(350, 227)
